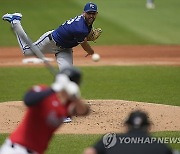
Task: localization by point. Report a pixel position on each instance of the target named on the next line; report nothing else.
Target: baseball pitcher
(60, 41)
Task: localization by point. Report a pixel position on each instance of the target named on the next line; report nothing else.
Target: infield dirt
(110, 55)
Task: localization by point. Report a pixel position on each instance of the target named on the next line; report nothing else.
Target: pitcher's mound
(106, 116)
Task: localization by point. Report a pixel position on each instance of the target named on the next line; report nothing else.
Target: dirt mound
(106, 116)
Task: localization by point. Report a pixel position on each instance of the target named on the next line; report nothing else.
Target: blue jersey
(72, 32)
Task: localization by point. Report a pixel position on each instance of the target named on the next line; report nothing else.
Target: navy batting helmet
(73, 73)
(138, 119)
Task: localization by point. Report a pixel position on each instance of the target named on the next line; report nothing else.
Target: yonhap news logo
(149, 140)
(109, 140)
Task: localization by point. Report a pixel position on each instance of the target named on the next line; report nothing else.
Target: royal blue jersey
(72, 32)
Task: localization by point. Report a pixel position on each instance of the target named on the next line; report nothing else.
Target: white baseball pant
(13, 148)
(64, 56)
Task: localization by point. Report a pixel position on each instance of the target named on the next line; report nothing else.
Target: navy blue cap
(90, 7)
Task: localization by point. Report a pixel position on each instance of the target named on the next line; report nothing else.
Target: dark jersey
(72, 32)
(140, 143)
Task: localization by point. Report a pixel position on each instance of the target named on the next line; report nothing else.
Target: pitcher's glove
(94, 34)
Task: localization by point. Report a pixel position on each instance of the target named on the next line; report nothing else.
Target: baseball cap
(90, 7)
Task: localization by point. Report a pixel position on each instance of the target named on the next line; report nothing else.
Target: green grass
(71, 144)
(123, 22)
(15, 81)
(75, 144)
(136, 83)
(132, 23)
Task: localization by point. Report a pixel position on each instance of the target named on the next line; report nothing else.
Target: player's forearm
(85, 45)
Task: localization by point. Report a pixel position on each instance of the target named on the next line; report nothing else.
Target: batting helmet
(73, 73)
(138, 119)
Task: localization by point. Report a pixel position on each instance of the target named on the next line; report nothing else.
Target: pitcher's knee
(64, 64)
(28, 53)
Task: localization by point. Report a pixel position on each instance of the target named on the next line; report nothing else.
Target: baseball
(95, 57)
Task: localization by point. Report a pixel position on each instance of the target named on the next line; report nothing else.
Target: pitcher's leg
(16, 25)
(43, 43)
(65, 58)
(14, 19)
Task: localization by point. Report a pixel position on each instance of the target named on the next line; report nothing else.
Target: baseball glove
(94, 34)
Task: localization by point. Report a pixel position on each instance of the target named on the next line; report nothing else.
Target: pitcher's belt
(51, 39)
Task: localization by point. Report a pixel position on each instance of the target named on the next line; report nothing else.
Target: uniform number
(77, 18)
